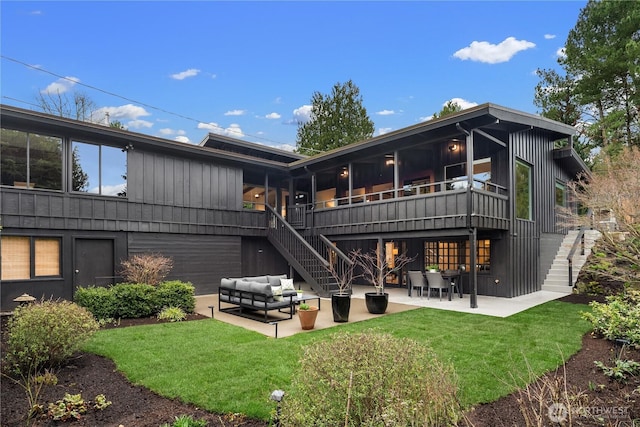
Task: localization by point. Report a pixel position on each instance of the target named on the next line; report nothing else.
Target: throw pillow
(277, 293)
(287, 285)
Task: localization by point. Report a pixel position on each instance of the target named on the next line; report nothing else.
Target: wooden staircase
(308, 257)
(557, 279)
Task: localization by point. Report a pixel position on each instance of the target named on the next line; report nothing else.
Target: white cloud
(425, 118)
(285, 147)
(191, 72)
(233, 130)
(137, 124)
(302, 114)
(382, 131)
(549, 36)
(462, 102)
(169, 132)
(386, 113)
(110, 190)
(235, 113)
(560, 53)
(35, 12)
(182, 139)
(273, 116)
(122, 113)
(278, 100)
(493, 53)
(60, 86)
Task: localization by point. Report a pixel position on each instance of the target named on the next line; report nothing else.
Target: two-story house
(477, 190)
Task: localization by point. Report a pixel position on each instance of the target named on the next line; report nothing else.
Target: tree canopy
(449, 108)
(599, 91)
(337, 119)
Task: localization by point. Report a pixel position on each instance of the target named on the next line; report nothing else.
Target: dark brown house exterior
(77, 198)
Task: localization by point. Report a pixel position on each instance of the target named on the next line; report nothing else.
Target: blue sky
(249, 69)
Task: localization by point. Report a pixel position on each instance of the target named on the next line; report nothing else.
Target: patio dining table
(453, 276)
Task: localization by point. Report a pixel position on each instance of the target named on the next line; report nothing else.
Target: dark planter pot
(376, 303)
(340, 304)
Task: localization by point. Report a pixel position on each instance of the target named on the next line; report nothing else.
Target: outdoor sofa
(244, 296)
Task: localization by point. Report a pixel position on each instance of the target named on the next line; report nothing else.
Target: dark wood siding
(160, 179)
(201, 260)
(54, 210)
(535, 149)
(59, 287)
(259, 257)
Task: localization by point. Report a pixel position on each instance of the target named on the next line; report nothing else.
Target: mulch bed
(135, 406)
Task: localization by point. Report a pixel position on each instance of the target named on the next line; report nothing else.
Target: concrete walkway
(398, 301)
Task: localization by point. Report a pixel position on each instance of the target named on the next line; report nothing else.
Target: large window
(561, 194)
(30, 160)
(523, 191)
(456, 174)
(100, 169)
(25, 257)
(450, 255)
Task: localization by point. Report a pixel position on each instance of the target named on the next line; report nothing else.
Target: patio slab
(398, 301)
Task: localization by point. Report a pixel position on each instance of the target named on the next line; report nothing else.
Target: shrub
(71, 406)
(100, 301)
(172, 314)
(150, 269)
(45, 334)
(176, 294)
(618, 318)
(133, 300)
(366, 379)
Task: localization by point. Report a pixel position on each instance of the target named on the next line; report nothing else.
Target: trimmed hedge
(133, 300)
(175, 293)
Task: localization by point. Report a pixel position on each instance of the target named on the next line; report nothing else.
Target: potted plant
(342, 271)
(433, 267)
(376, 269)
(307, 315)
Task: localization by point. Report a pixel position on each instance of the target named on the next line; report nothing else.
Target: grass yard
(224, 368)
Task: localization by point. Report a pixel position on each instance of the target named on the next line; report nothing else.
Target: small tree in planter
(343, 272)
(376, 269)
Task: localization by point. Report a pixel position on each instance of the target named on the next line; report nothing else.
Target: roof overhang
(488, 117)
(36, 122)
(570, 161)
(249, 149)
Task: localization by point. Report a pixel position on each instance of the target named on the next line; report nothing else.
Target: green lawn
(225, 368)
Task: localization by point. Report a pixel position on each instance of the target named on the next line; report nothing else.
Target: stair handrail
(293, 231)
(578, 241)
(335, 249)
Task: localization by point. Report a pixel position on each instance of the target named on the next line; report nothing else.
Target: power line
(163, 110)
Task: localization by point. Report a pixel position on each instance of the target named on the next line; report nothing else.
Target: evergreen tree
(337, 120)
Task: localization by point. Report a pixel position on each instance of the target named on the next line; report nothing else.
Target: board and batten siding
(160, 179)
(535, 149)
(201, 260)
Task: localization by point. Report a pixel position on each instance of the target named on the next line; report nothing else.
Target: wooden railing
(306, 260)
(411, 190)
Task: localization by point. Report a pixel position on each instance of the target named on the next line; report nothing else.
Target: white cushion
(277, 293)
(287, 285)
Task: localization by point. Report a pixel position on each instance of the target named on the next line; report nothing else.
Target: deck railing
(410, 190)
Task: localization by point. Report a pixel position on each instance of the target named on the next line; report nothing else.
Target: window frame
(529, 207)
(34, 256)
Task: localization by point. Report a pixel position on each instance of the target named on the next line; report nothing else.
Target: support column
(473, 274)
(396, 174)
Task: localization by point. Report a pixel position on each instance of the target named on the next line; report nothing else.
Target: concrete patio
(398, 301)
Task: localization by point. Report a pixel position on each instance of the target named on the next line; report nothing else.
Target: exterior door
(93, 262)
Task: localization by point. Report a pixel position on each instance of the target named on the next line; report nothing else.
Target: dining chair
(417, 281)
(436, 281)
